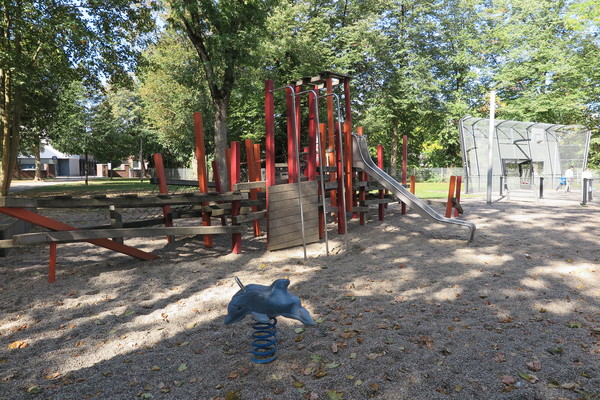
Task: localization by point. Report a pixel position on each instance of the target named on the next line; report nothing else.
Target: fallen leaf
(233, 375)
(574, 324)
(155, 368)
(335, 395)
(508, 379)
(332, 365)
(34, 389)
(231, 395)
(19, 344)
(182, 367)
(534, 366)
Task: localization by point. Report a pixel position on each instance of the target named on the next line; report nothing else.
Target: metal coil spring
(264, 342)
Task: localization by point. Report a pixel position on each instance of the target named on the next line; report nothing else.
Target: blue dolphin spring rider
(265, 303)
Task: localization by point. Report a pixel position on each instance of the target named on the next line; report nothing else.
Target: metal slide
(362, 159)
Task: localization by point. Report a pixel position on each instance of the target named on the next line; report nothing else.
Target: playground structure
(328, 173)
(526, 155)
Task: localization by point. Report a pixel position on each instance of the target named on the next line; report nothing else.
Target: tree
(224, 35)
(71, 39)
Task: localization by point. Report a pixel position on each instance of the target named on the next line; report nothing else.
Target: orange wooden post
(347, 137)
(381, 207)
(202, 172)
(451, 190)
(253, 176)
(458, 185)
(413, 184)
(404, 164)
(52, 266)
(322, 162)
(340, 185)
(292, 143)
(228, 164)
(236, 238)
(362, 193)
(162, 188)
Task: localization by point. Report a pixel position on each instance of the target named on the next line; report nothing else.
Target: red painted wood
(236, 238)
(37, 219)
(311, 164)
(347, 137)
(202, 171)
(381, 193)
(292, 147)
(451, 190)
(362, 194)
(269, 133)
(52, 264)
(404, 164)
(458, 186)
(253, 176)
(162, 188)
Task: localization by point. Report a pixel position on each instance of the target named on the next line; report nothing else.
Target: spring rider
(265, 303)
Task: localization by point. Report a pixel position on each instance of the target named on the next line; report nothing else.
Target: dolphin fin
(280, 284)
(262, 318)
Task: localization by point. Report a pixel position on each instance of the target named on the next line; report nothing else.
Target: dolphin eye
(239, 308)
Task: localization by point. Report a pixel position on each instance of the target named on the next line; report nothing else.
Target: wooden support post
(362, 193)
(253, 176)
(322, 162)
(381, 193)
(404, 164)
(350, 194)
(340, 184)
(116, 221)
(202, 171)
(413, 184)
(269, 134)
(162, 188)
(228, 165)
(52, 263)
(311, 165)
(236, 238)
(451, 190)
(458, 186)
(292, 144)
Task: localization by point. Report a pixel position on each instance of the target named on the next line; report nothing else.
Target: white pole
(491, 132)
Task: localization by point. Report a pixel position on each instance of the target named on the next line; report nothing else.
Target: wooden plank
(84, 235)
(293, 239)
(307, 187)
(380, 201)
(250, 185)
(293, 205)
(254, 216)
(287, 219)
(141, 202)
(18, 202)
(8, 243)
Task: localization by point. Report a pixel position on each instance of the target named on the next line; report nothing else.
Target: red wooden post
(236, 238)
(228, 165)
(202, 171)
(381, 207)
(404, 163)
(413, 184)
(52, 266)
(311, 164)
(253, 176)
(451, 190)
(350, 194)
(322, 163)
(257, 161)
(362, 194)
(292, 144)
(330, 118)
(162, 188)
(269, 134)
(458, 185)
(340, 183)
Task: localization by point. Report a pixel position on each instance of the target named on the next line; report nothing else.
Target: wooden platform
(285, 228)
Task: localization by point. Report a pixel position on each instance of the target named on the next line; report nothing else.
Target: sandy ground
(406, 310)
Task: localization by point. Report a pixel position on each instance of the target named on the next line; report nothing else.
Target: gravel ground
(405, 311)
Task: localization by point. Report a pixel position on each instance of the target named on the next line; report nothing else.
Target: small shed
(522, 152)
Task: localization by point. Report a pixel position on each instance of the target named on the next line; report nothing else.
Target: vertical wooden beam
(311, 164)
(202, 171)
(381, 193)
(253, 176)
(330, 114)
(362, 193)
(413, 184)
(52, 264)
(162, 188)
(228, 164)
(292, 144)
(404, 164)
(269, 133)
(347, 138)
(236, 238)
(458, 186)
(451, 190)
(340, 184)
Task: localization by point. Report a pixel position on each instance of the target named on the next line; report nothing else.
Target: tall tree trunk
(38, 163)
(394, 150)
(221, 140)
